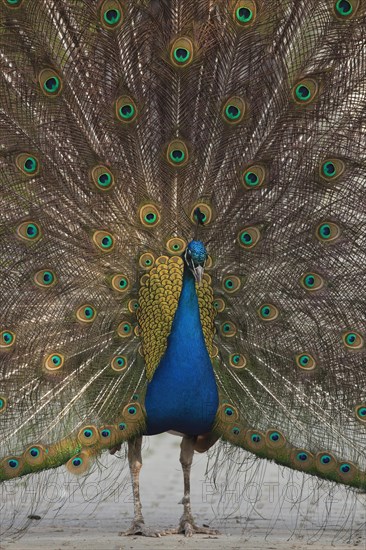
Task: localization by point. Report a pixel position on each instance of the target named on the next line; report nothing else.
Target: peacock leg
(187, 524)
(135, 462)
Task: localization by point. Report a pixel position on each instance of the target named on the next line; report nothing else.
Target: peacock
(182, 234)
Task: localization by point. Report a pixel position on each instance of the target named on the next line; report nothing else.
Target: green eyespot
(305, 91)
(245, 12)
(331, 169)
(126, 110)
(7, 339)
(111, 14)
(305, 361)
(104, 241)
(268, 312)
(249, 237)
(233, 110)
(54, 361)
(346, 9)
(149, 215)
(327, 232)
(181, 53)
(50, 82)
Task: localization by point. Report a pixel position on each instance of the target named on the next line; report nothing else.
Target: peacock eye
(233, 110)
(146, 260)
(237, 361)
(344, 9)
(275, 439)
(29, 231)
(176, 245)
(231, 284)
(124, 329)
(86, 314)
(122, 426)
(149, 215)
(327, 232)
(249, 237)
(54, 361)
(111, 15)
(102, 178)
(119, 363)
(312, 281)
(181, 53)
(305, 361)
(3, 404)
(305, 91)
(104, 241)
(228, 329)
(7, 339)
(126, 109)
(245, 12)
(268, 312)
(219, 305)
(13, 3)
(353, 340)
(45, 278)
(177, 153)
(331, 169)
(206, 213)
(302, 456)
(254, 177)
(120, 282)
(132, 410)
(50, 82)
(361, 412)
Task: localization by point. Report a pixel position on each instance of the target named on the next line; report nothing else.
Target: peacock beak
(198, 273)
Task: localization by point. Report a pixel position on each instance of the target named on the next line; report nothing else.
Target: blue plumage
(182, 395)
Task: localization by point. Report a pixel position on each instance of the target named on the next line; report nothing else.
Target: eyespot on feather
(219, 305)
(254, 176)
(182, 52)
(132, 412)
(228, 413)
(325, 462)
(327, 232)
(305, 361)
(102, 178)
(104, 241)
(311, 281)
(233, 110)
(54, 361)
(7, 339)
(147, 260)
(275, 439)
(80, 463)
(120, 283)
(228, 329)
(302, 459)
(345, 9)
(45, 278)
(28, 164)
(29, 231)
(249, 237)
(353, 340)
(176, 246)
(50, 82)
(305, 91)
(149, 215)
(360, 411)
(245, 13)
(88, 435)
(13, 4)
(126, 109)
(268, 312)
(231, 284)
(34, 455)
(3, 404)
(124, 329)
(12, 466)
(331, 169)
(237, 361)
(86, 314)
(177, 153)
(255, 440)
(119, 363)
(111, 14)
(206, 210)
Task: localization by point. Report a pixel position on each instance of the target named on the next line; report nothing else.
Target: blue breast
(182, 394)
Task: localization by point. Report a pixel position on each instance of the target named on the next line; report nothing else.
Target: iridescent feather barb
(126, 129)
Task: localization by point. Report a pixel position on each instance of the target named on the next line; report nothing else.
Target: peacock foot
(138, 527)
(188, 528)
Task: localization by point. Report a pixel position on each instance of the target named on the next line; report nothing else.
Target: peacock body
(182, 233)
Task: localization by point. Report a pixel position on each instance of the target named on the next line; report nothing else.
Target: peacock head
(195, 257)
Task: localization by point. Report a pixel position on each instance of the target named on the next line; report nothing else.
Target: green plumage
(118, 120)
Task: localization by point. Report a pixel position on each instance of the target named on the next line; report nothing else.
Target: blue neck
(182, 395)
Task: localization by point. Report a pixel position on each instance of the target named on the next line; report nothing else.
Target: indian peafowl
(183, 233)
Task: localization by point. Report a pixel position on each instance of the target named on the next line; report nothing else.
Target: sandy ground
(271, 510)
